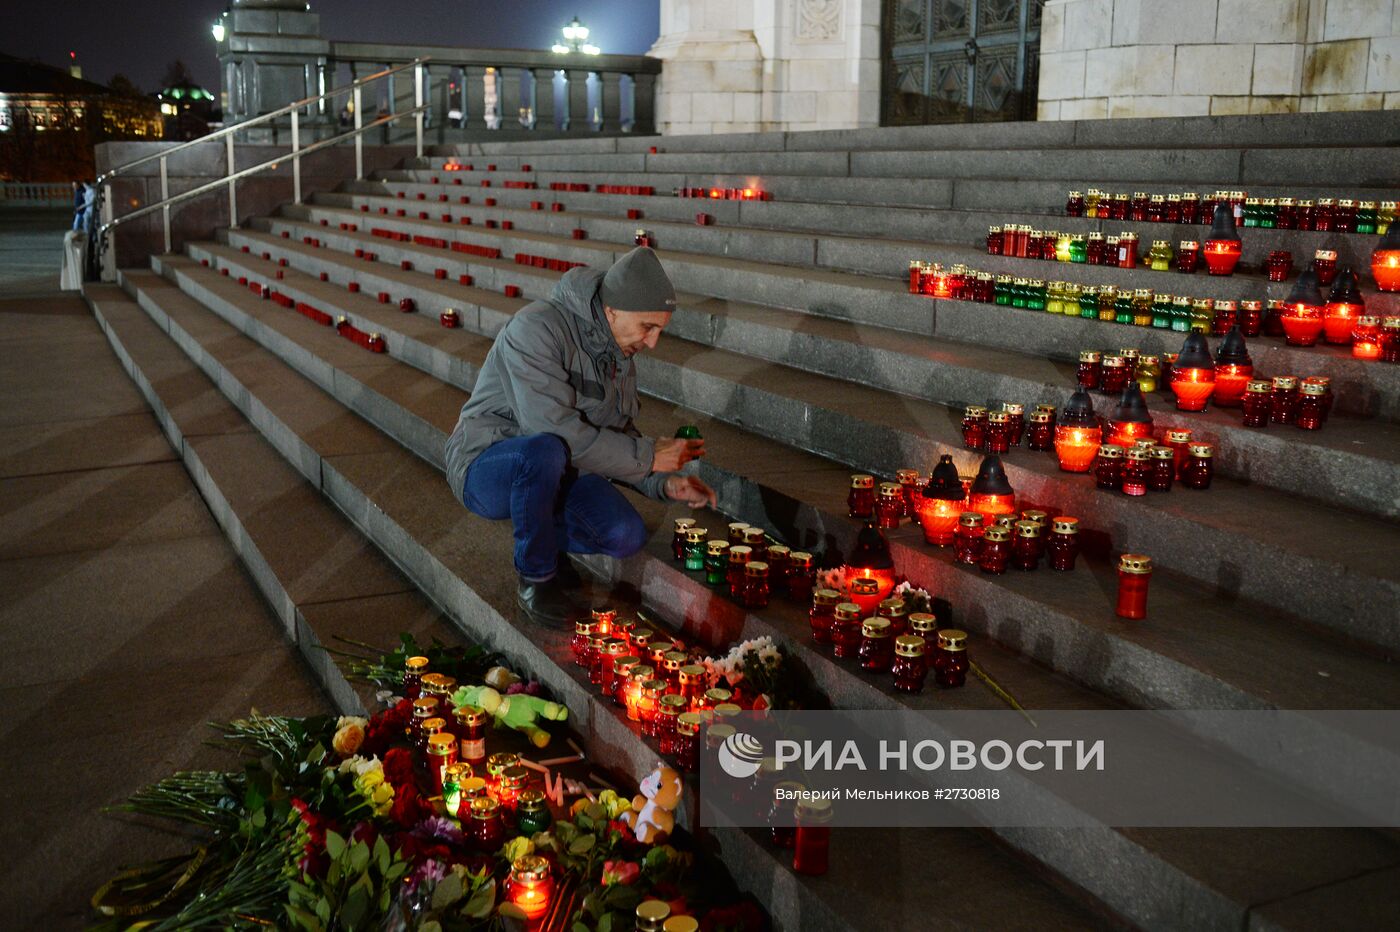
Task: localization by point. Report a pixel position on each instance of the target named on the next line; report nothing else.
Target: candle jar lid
(970, 519)
(440, 743)
(1090, 356)
(1325, 380)
(999, 417)
(800, 558)
(1027, 529)
(653, 688)
(458, 771)
(425, 707)
(740, 553)
(974, 411)
(623, 666)
(1313, 389)
(1036, 515)
(1159, 198)
(890, 608)
(848, 611)
(641, 640)
(891, 490)
(432, 681)
(996, 534)
(1259, 386)
(514, 778)
(1191, 196)
(530, 868)
(615, 647)
(909, 645)
(447, 684)
(416, 664)
(673, 704)
(688, 723)
(484, 808)
(470, 716)
(1325, 254)
(641, 673)
(813, 811)
(993, 229)
(584, 627)
(1163, 453)
(1110, 451)
(1143, 443)
(1040, 417)
(728, 709)
(692, 672)
(604, 616)
(1065, 524)
(865, 586)
(1138, 454)
(906, 476)
(1114, 361)
(1188, 244)
(1013, 407)
(1179, 436)
(754, 536)
(1365, 320)
(1075, 194)
(1202, 450)
(682, 523)
(674, 659)
(717, 548)
(1048, 409)
(696, 535)
(858, 481)
(875, 628)
(1007, 522)
(1134, 563)
(1225, 304)
(718, 696)
(1148, 361)
(1285, 381)
(826, 597)
(756, 568)
(923, 623)
(472, 788)
(498, 763)
(952, 639)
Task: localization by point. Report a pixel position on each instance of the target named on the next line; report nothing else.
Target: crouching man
(549, 429)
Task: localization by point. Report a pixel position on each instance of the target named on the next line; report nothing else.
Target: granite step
(1343, 166)
(1158, 682)
(401, 504)
(731, 273)
(700, 615)
(1361, 128)
(964, 226)
(886, 256)
(1253, 454)
(322, 579)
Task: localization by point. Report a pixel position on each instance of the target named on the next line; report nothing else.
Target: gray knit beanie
(637, 282)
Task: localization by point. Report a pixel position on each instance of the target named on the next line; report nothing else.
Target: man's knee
(626, 535)
(544, 455)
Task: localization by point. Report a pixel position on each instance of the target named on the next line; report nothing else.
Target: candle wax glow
(1230, 381)
(1193, 388)
(1076, 446)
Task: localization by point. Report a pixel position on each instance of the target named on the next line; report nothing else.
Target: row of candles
(978, 517)
(1301, 318)
(1284, 213)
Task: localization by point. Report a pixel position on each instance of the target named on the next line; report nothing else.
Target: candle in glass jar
(889, 505)
(1090, 369)
(1028, 546)
(801, 575)
(823, 613)
(1222, 247)
(998, 437)
(1136, 471)
(530, 888)
(1325, 265)
(1063, 543)
(876, 650)
(1040, 431)
(950, 662)
(991, 492)
(695, 547)
(1233, 370)
(716, 562)
(846, 630)
(996, 550)
(860, 502)
(967, 539)
(974, 428)
(1366, 338)
(1385, 260)
(1193, 374)
(1163, 468)
(1344, 305)
(812, 841)
(1199, 468)
(1311, 405)
(940, 503)
(679, 527)
(865, 593)
(910, 667)
(1134, 574)
(1108, 467)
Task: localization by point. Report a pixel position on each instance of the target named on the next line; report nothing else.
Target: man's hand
(690, 490)
(671, 455)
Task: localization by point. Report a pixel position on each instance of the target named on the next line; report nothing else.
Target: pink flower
(620, 872)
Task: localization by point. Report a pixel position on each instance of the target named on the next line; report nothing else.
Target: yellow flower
(348, 738)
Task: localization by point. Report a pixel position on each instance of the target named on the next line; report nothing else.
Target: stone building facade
(1147, 58)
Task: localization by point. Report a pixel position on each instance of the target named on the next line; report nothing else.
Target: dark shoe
(568, 575)
(546, 603)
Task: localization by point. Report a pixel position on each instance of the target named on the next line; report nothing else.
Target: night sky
(140, 37)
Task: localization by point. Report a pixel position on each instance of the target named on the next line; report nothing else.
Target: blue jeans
(553, 507)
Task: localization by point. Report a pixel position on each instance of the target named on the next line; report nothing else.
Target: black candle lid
(1223, 225)
(1232, 350)
(1132, 406)
(871, 551)
(1195, 353)
(944, 482)
(1345, 289)
(1306, 290)
(991, 478)
(1079, 410)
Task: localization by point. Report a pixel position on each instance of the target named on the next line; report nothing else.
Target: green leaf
(447, 892)
(430, 925)
(482, 901)
(396, 871)
(511, 911)
(583, 844)
(605, 922)
(356, 908)
(303, 919)
(335, 845)
(580, 927)
(381, 855)
(323, 911)
(359, 857)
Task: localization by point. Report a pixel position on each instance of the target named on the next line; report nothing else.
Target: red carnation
(409, 808)
(398, 768)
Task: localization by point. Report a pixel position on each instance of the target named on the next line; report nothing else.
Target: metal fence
(33, 194)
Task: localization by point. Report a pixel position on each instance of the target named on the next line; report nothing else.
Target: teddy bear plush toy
(651, 818)
(517, 711)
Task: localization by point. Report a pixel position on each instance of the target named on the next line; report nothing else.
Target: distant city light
(575, 34)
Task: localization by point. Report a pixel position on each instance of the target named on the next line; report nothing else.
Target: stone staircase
(798, 351)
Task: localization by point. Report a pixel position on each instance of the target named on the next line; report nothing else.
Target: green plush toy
(517, 711)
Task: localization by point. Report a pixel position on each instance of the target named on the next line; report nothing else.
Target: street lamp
(218, 31)
(576, 35)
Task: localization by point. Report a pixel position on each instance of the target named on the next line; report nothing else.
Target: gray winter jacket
(556, 369)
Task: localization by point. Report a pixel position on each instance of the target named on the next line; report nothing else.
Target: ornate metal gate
(951, 61)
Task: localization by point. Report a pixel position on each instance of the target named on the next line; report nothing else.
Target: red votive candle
(1134, 575)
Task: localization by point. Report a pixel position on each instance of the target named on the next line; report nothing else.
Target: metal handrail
(103, 238)
(265, 118)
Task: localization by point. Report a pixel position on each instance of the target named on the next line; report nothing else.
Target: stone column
(544, 99)
(610, 100)
(643, 103)
(577, 120)
(474, 81)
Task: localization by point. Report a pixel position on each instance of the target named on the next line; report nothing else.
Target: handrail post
(359, 136)
(418, 108)
(296, 158)
(232, 185)
(165, 197)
